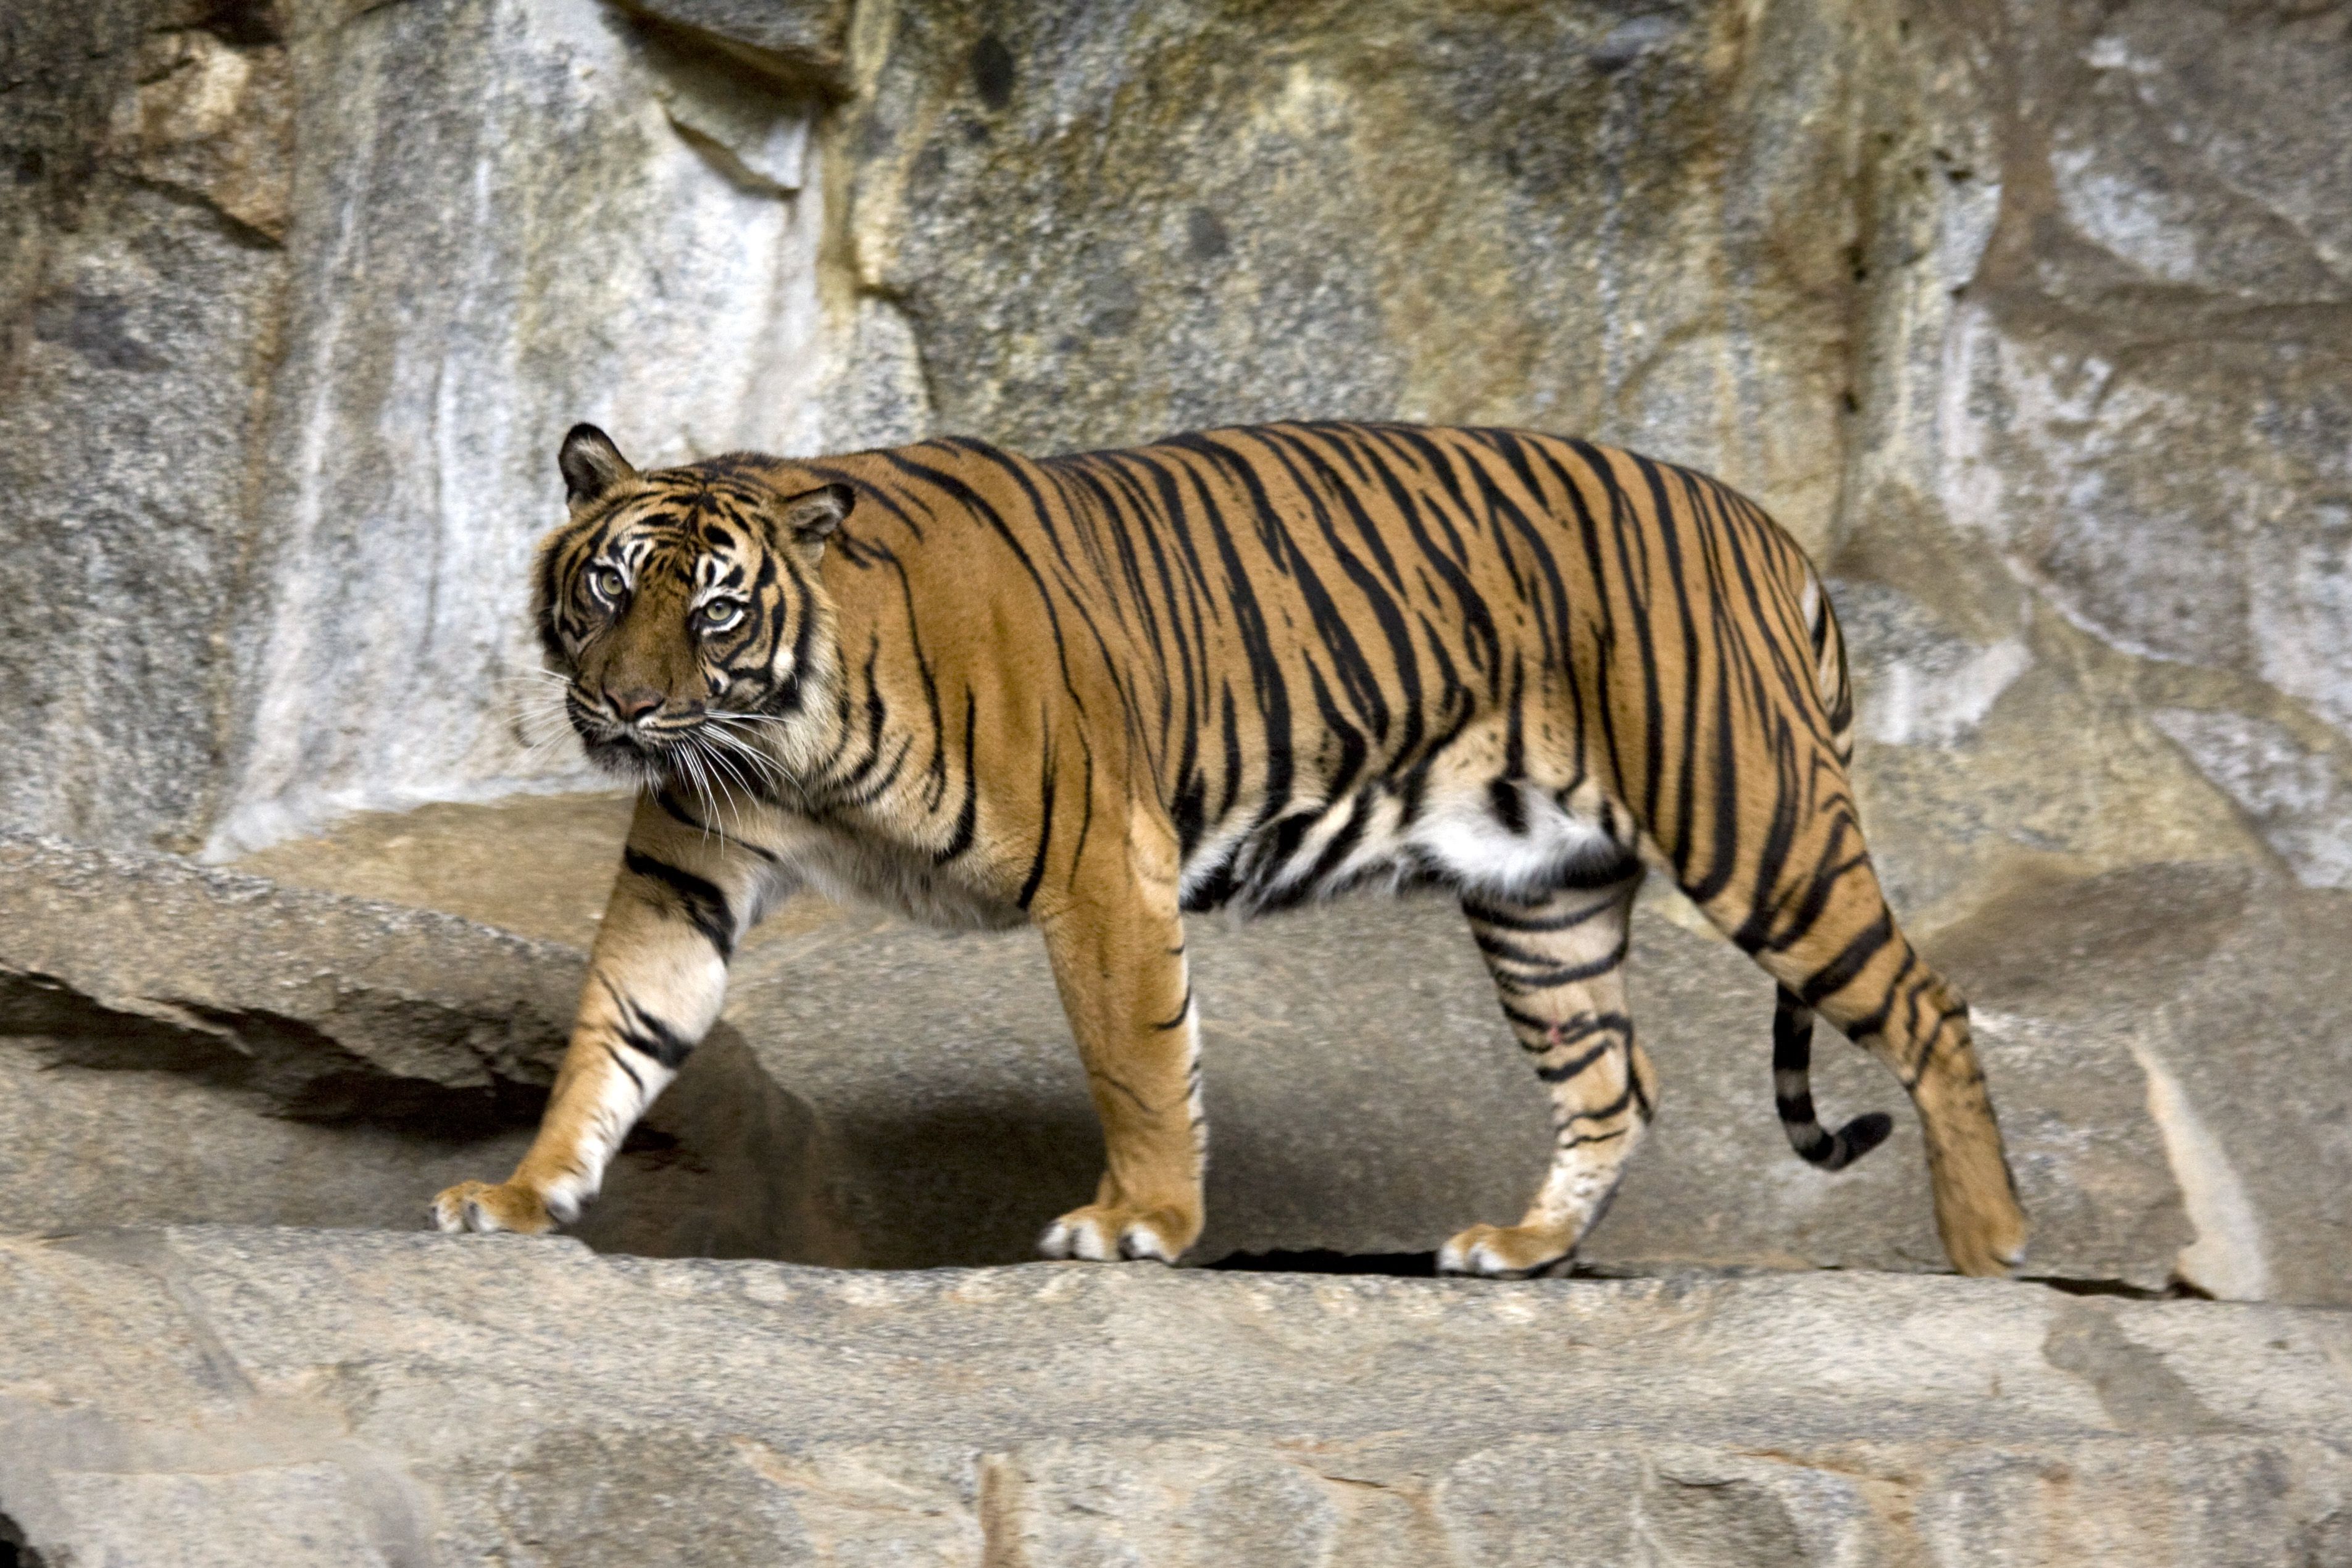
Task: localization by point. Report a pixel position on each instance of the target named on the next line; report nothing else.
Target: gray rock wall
(1105, 222)
(509, 216)
(2029, 322)
(2097, 472)
(143, 270)
(298, 302)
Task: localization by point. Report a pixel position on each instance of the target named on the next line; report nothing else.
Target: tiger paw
(1988, 1240)
(482, 1206)
(1504, 1252)
(1101, 1233)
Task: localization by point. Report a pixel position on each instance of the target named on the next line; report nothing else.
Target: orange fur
(1250, 665)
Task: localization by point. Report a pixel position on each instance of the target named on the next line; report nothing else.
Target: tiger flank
(1245, 668)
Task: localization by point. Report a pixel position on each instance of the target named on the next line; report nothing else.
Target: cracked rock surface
(301, 1397)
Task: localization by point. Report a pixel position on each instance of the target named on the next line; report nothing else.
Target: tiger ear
(592, 467)
(811, 517)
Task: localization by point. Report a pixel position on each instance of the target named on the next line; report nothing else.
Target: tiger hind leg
(1844, 957)
(1558, 967)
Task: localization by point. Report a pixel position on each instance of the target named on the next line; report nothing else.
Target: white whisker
(719, 764)
(763, 764)
(709, 796)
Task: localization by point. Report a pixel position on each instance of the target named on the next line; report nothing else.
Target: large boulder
(216, 1395)
(2170, 1050)
(182, 1043)
(1364, 1098)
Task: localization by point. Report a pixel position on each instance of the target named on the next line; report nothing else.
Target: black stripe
(1044, 823)
(622, 1063)
(968, 818)
(704, 904)
(1575, 1065)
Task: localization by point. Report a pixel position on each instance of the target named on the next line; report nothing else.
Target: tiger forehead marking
(678, 550)
(1249, 667)
(678, 606)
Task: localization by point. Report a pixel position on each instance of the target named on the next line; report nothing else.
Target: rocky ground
(297, 1397)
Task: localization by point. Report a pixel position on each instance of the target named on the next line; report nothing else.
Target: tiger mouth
(703, 753)
(636, 751)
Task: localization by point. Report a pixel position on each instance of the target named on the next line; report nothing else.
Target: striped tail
(1792, 1092)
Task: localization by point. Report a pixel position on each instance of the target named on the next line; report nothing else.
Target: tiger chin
(1248, 668)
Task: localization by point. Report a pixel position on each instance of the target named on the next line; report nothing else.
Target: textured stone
(509, 216)
(423, 1400)
(2228, 996)
(139, 284)
(179, 1043)
(296, 302)
(1106, 223)
(803, 42)
(2103, 410)
(330, 1005)
(2066, 293)
(2032, 328)
(83, 1146)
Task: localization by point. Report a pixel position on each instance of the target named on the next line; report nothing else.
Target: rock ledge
(210, 1395)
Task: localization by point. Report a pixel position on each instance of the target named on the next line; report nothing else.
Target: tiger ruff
(1247, 668)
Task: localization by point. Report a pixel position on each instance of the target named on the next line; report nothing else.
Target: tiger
(1247, 669)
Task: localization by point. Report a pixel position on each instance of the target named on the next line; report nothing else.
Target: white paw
(1081, 1238)
(483, 1208)
(1141, 1241)
(1086, 1235)
(1500, 1252)
(1454, 1258)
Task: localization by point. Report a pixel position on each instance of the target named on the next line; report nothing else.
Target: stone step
(208, 1395)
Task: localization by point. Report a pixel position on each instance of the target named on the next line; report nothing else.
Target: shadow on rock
(727, 1164)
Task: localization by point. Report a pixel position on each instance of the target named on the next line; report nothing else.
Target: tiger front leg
(1119, 961)
(656, 979)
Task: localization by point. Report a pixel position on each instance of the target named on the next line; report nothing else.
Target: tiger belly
(1500, 840)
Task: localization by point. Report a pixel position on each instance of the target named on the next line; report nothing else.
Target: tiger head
(683, 608)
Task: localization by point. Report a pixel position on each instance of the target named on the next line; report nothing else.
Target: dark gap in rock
(2178, 1290)
(88, 1033)
(783, 70)
(244, 23)
(15, 1551)
(197, 203)
(298, 1070)
(1402, 1265)
(730, 168)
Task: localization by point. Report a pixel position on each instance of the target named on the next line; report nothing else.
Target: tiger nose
(635, 703)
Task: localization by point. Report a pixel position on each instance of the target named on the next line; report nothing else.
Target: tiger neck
(850, 749)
